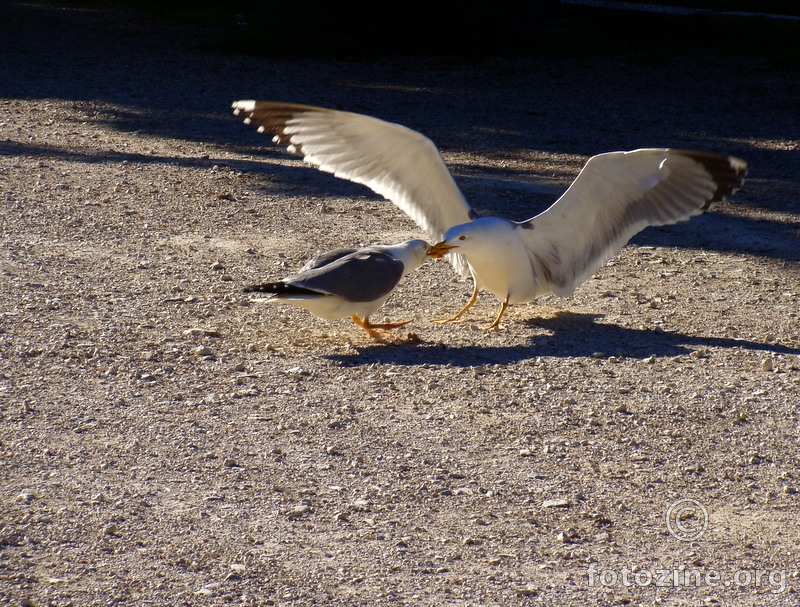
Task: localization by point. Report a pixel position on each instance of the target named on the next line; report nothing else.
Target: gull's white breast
(502, 265)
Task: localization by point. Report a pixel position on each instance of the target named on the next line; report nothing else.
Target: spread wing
(617, 195)
(396, 162)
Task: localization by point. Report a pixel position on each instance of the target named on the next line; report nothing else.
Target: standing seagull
(615, 196)
(349, 282)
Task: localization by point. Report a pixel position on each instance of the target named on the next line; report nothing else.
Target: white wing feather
(396, 162)
(614, 197)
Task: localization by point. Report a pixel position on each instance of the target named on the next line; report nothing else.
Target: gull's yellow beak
(440, 249)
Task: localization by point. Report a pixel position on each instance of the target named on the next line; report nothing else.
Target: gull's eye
(462, 237)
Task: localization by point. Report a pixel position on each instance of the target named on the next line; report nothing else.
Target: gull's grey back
(363, 275)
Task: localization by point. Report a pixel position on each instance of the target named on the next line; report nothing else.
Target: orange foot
(370, 327)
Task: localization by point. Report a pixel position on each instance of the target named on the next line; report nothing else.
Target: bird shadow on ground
(566, 335)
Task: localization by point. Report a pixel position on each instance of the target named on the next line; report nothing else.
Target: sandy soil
(164, 441)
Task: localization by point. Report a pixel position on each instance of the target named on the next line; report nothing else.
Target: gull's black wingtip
(728, 172)
(278, 288)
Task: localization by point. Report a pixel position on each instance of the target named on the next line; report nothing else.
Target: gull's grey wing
(366, 275)
(617, 195)
(325, 258)
(396, 162)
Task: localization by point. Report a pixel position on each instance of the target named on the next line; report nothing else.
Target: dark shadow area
(13, 148)
(363, 28)
(569, 335)
(323, 29)
(777, 7)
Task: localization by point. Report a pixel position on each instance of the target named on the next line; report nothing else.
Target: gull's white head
(412, 253)
(475, 237)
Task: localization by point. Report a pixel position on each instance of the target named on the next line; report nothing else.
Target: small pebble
(767, 365)
(297, 372)
(202, 351)
(298, 511)
(197, 331)
(360, 505)
(555, 503)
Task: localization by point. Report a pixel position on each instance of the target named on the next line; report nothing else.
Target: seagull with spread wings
(615, 196)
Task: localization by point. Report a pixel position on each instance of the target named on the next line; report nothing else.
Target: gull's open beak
(440, 249)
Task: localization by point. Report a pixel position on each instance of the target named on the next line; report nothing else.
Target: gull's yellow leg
(388, 326)
(364, 324)
(496, 322)
(370, 327)
(470, 303)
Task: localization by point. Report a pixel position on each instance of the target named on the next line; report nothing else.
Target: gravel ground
(164, 440)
